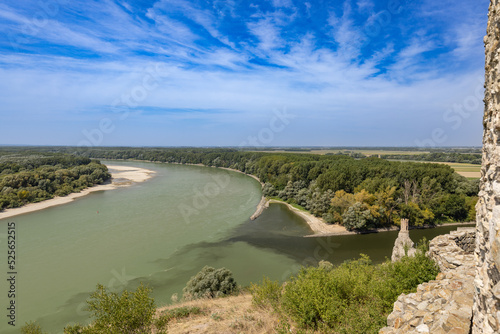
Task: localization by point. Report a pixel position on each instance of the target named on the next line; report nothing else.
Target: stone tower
(403, 244)
(486, 317)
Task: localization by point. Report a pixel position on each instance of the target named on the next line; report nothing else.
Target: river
(161, 232)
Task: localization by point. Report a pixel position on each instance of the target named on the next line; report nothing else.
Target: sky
(242, 73)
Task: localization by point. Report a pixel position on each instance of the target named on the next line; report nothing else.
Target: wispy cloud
(230, 63)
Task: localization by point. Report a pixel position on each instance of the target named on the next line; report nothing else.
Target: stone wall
(443, 305)
(487, 281)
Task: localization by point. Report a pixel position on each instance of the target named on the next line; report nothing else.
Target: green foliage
(354, 297)
(176, 313)
(31, 328)
(210, 283)
(113, 313)
(471, 158)
(27, 178)
(266, 293)
(417, 215)
(426, 193)
(403, 276)
(357, 217)
(130, 312)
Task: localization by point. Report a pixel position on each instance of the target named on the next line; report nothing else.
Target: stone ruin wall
(486, 318)
(443, 305)
(468, 288)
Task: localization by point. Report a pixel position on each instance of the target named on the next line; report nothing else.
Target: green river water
(161, 232)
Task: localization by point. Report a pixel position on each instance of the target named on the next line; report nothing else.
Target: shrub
(403, 276)
(210, 283)
(354, 297)
(31, 328)
(336, 299)
(267, 293)
(128, 312)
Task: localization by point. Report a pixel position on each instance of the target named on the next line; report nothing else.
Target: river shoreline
(127, 175)
(317, 225)
(123, 177)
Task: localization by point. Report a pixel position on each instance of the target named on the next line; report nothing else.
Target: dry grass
(467, 170)
(224, 315)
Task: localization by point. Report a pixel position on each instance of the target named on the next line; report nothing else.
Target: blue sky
(230, 73)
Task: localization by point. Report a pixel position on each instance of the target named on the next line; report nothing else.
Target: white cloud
(348, 36)
(282, 3)
(267, 33)
(365, 5)
(327, 86)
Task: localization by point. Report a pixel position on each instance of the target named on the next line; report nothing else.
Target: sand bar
(317, 225)
(121, 176)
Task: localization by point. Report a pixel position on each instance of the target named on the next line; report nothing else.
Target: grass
(468, 170)
(296, 206)
(168, 315)
(235, 314)
(461, 167)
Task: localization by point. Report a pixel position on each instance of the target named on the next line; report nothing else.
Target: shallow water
(161, 232)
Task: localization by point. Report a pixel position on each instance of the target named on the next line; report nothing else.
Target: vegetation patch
(355, 297)
(377, 192)
(177, 313)
(210, 283)
(33, 176)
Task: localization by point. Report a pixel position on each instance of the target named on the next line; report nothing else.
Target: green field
(467, 170)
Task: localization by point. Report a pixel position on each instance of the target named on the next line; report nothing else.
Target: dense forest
(357, 193)
(33, 176)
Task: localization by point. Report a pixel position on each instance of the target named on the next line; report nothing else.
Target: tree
(210, 283)
(415, 214)
(357, 217)
(343, 200)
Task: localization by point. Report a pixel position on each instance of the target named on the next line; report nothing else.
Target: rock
(423, 328)
(403, 244)
(445, 304)
(422, 306)
(398, 322)
(487, 249)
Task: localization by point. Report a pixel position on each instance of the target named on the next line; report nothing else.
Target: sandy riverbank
(121, 176)
(322, 229)
(317, 225)
(239, 171)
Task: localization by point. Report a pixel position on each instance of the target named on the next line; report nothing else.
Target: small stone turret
(405, 226)
(403, 244)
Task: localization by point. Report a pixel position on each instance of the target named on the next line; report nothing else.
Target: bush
(403, 276)
(210, 283)
(130, 312)
(339, 300)
(31, 328)
(354, 297)
(267, 293)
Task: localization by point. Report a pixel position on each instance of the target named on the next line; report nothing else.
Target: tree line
(470, 158)
(34, 176)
